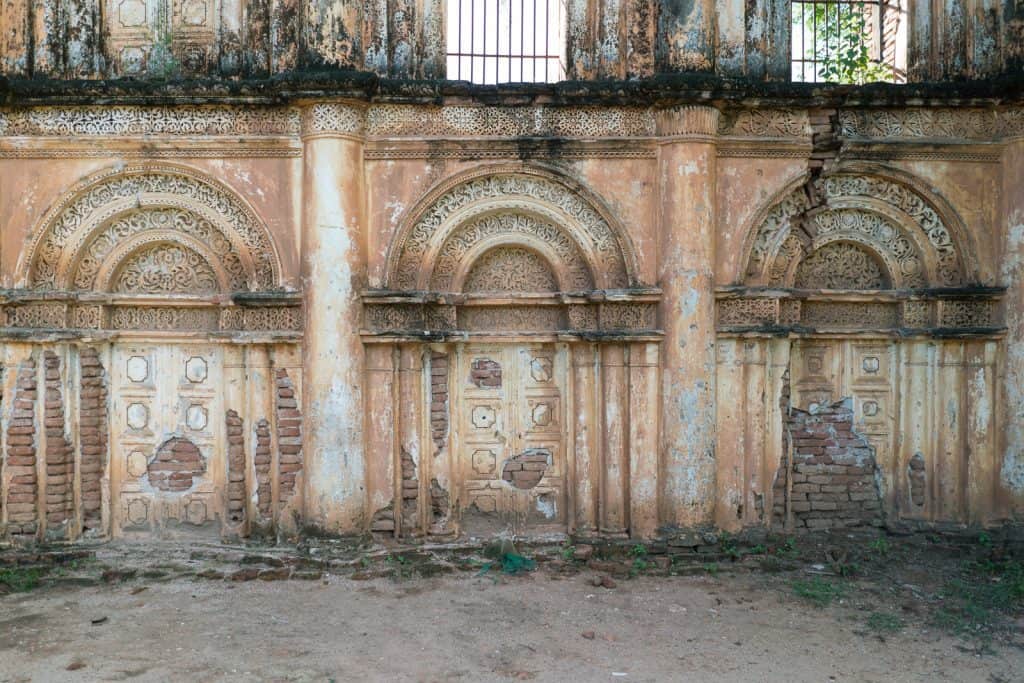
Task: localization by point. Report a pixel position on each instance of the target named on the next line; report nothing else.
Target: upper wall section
(605, 39)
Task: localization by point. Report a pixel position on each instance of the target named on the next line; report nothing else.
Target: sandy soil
(463, 627)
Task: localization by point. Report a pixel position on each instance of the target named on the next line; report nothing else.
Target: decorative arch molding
(509, 199)
(152, 202)
(864, 246)
(920, 238)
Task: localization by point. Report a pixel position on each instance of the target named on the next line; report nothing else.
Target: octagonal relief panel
(196, 417)
(484, 461)
(196, 370)
(137, 415)
(137, 511)
(483, 417)
(136, 463)
(137, 368)
(131, 13)
(540, 370)
(195, 512)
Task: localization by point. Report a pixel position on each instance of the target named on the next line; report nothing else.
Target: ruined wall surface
(606, 39)
(322, 286)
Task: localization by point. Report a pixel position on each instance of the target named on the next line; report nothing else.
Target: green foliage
(883, 622)
(568, 552)
(836, 37)
(729, 545)
(711, 568)
(880, 546)
(639, 550)
(788, 549)
(817, 591)
(973, 602)
(20, 580)
(984, 540)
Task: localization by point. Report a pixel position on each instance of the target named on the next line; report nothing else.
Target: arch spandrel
(155, 203)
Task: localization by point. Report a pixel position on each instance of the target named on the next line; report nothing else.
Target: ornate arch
(126, 211)
(511, 204)
(917, 236)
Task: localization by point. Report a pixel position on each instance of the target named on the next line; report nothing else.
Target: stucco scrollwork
(914, 246)
(165, 269)
(82, 234)
(510, 269)
(840, 265)
(769, 123)
(526, 206)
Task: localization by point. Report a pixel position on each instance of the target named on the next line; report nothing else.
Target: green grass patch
(883, 622)
(20, 580)
(818, 591)
(976, 603)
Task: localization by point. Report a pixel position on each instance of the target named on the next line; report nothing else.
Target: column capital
(333, 119)
(686, 121)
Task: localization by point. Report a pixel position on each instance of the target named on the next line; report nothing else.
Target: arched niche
(119, 211)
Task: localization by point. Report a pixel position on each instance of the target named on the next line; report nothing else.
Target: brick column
(333, 275)
(686, 221)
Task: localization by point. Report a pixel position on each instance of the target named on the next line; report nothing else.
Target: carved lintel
(687, 121)
(333, 119)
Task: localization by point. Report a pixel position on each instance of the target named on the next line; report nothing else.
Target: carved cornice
(501, 150)
(109, 121)
(687, 121)
(938, 123)
(489, 121)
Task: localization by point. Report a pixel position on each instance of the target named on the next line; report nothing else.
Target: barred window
(849, 41)
(506, 41)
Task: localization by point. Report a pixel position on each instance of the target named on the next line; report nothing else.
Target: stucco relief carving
(149, 203)
(96, 121)
(510, 269)
(957, 124)
(531, 205)
(840, 265)
(331, 118)
(891, 221)
(768, 123)
(166, 269)
(396, 120)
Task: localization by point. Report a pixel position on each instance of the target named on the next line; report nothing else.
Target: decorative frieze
(956, 124)
(398, 120)
(333, 118)
(765, 123)
(185, 120)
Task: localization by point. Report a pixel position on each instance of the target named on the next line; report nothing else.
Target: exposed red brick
(525, 470)
(178, 463)
(485, 373)
(261, 460)
(289, 436)
(410, 491)
(22, 494)
(831, 481)
(236, 467)
(92, 434)
(916, 475)
(439, 409)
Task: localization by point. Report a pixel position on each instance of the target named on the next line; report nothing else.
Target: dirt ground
(551, 624)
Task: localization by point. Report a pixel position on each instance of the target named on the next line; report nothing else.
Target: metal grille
(849, 41)
(506, 41)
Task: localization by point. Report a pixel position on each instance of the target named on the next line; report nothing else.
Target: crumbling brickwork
(831, 482)
(439, 408)
(486, 373)
(262, 463)
(177, 465)
(410, 491)
(92, 434)
(525, 470)
(22, 495)
(916, 476)
(236, 467)
(289, 436)
(60, 461)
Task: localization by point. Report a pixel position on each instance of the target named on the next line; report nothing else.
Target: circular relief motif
(137, 415)
(483, 417)
(870, 408)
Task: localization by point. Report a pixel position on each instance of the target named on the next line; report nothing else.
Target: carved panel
(771, 123)
(849, 314)
(332, 118)
(746, 311)
(165, 269)
(163, 318)
(840, 265)
(387, 317)
(511, 318)
(583, 317)
(917, 314)
(967, 313)
(510, 269)
(633, 316)
(959, 124)
(44, 315)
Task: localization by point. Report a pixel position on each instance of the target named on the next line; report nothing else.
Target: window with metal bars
(506, 41)
(849, 41)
